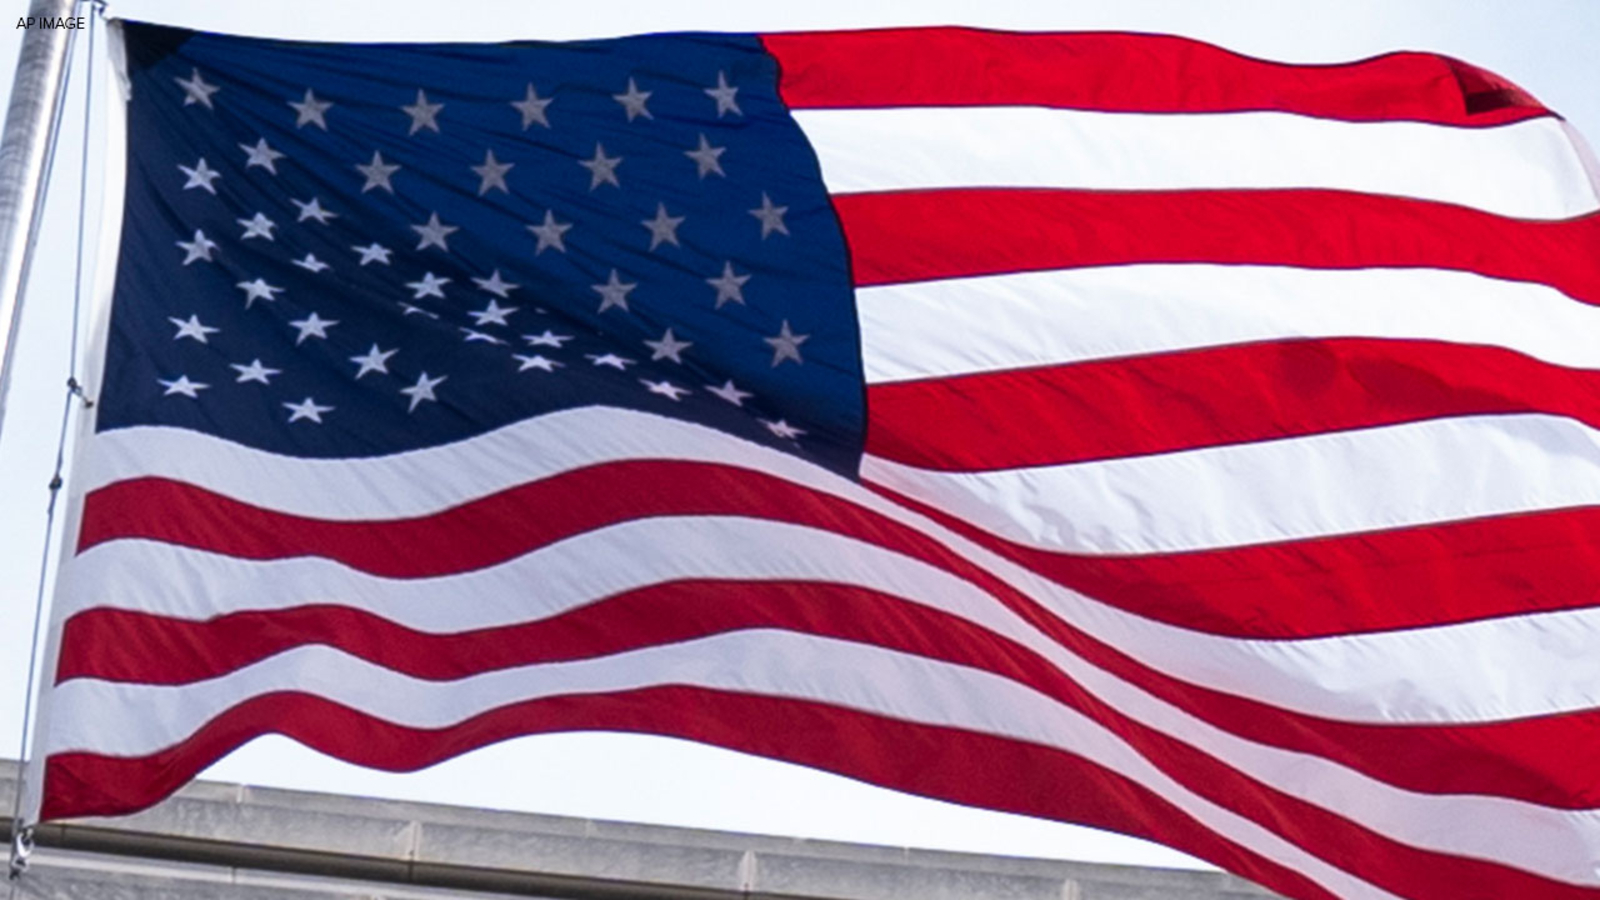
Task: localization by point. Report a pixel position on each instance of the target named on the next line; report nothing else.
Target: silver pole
(25, 149)
(27, 144)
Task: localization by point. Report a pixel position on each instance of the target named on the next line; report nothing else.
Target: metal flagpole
(25, 149)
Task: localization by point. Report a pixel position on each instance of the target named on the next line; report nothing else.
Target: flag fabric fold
(1103, 427)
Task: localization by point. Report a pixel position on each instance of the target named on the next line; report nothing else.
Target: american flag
(1103, 427)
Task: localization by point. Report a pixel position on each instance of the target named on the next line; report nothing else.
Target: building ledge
(213, 839)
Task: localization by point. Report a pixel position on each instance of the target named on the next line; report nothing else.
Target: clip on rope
(22, 831)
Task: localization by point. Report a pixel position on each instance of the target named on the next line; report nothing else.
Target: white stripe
(164, 579)
(197, 585)
(989, 323)
(112, 185)
(1398, 677)
(1448, 673)
(1527, 169)
(136, 720)
(1586, 157)
(1396, 476)
(412, 483)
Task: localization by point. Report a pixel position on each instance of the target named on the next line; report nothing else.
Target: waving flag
(1102, 427)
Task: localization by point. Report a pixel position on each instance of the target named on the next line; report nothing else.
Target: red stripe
(923, 235)
(473, 535)
(1402, 578)
(852, 741)
(1241, 393)
(925, 760)
(1413, 577)
(140, 647)
(120, 645)
(1123, 72)
(1526, 759)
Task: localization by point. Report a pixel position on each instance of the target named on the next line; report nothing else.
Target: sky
(1545, 46)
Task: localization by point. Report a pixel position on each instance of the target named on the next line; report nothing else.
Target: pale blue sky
(1546, 46)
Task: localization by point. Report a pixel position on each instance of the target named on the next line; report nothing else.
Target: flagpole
(26, 146)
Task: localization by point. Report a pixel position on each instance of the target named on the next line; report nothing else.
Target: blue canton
(336, 251)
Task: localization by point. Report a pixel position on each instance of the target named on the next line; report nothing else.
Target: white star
(310, 263)
(603, 168)
(313, 210)
(614, 292)
(261, 155)
(548, 339)
(257, 290)
(192, 328)
(430, 286)
(200, 176)
(257, 226)
(532, 108)
(668, 347)
(309, 111)
(723, 93)
(199, 248)
(253, 372)
(493, 313)
(373, 252)
(434, 232)
(706, 156)
(306, 409)
(422, 390)
(312, 326)
(182, 385)
(414, 310)
(663, 228)
(730, 287)
(535, 362)
(771, 216)
(783, 429)
(492, 174)
(633, 102)
(729, 393)
(375, 360)
(423, 114)
(549, 233)
(471, 335)
(195, 90)
(495, 285)
(665, 388)
(786, 345)
(619, 363)
(377, 173)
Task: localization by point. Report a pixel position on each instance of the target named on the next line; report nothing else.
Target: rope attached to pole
(22, 832)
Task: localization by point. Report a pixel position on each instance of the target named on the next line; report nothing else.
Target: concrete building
(233, 841)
